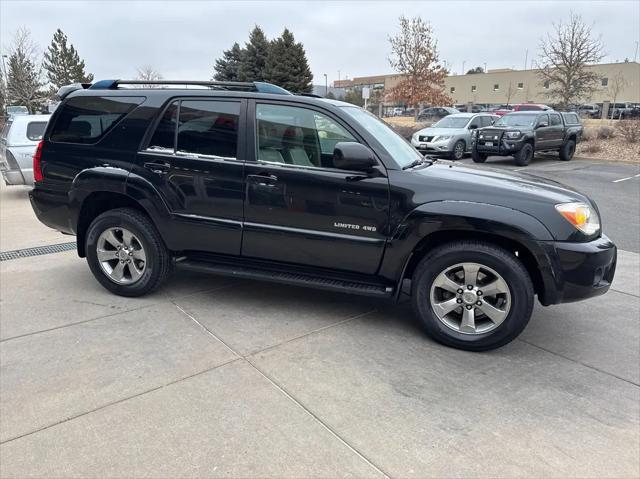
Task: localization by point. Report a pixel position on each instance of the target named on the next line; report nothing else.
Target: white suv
(18, 142)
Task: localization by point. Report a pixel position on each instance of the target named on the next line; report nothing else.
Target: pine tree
(287, 65)
(226, 68)
(24, 85)
(63, 63)
(254, 57)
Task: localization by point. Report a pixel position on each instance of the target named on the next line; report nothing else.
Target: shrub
(592, 147)
(589, 134)
(405, 131)
(605, 132)
(629, 130)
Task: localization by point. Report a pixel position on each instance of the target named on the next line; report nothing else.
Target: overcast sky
(181, 39)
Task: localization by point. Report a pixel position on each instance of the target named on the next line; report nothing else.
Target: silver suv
(451, 136)
(18, 142)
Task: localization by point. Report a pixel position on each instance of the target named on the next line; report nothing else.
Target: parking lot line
(625, 179)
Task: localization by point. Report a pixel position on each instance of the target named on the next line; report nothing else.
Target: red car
(522, 107)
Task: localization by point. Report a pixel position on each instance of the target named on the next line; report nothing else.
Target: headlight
(442, 138)
(513, 134)
(581, 216)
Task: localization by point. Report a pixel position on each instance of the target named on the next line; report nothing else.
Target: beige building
(506, 85)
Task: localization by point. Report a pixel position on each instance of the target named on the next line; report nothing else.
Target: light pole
(338, 75)
(485, 67)
(326, 86)
(463, 62)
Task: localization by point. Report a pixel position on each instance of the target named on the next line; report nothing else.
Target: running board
(295, 279)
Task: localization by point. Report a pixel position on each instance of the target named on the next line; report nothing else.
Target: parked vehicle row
(314, 192)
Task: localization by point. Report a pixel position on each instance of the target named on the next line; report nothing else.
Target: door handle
(158, 168)
(263, 180)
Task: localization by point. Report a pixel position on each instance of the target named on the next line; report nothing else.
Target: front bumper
(434, 148)
(502, 147)
(577, 271)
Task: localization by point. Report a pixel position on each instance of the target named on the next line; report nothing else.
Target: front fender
(463, 217)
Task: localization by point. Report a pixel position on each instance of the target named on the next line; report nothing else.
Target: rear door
(299, 208)
(195, 161)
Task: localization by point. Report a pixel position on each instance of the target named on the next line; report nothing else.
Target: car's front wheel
(458, 150)
(472, 295)
(478, 157)
(524, 156)
(126, 253)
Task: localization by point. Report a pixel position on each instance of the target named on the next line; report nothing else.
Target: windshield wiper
(418, 162)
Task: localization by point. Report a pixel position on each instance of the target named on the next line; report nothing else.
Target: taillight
(37, 164)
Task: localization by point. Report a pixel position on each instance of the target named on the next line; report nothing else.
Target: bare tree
(616, 85)
(24, 73)
(565, 55)
(414, 53)
(148, 73)
(510, 91)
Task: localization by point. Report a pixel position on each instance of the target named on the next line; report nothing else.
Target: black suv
(230, 179)
(520, 134)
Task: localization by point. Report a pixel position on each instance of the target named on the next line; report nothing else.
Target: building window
(520, 86)
(546, 84)
(473, 88)
(605, 81)
(452, 89)
(496, 87)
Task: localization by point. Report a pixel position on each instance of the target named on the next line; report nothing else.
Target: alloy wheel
(470, 298)
(121, 255)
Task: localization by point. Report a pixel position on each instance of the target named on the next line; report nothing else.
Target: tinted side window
(86, 119)
(543, 119)
(555, 119)
(571, 118)
(486, 120)
(209, 128)
(35, 130)
(164, 137)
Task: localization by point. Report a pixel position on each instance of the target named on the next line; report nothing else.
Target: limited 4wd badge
(350, 226)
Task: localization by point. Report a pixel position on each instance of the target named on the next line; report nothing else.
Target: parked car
(620, 110)
(531, 107)
(501, 110)
(17, 110)
(235, 181)
(397, 111)
(435, 113)
(18, 142)
(474, 108)
(631, 113)
(591, 110)
(521, 134)
(451, 136)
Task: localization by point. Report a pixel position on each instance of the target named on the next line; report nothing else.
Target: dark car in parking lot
(435, 113)
(250, 181)
(521, 134)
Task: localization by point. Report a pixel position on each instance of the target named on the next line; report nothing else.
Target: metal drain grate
(37, 251)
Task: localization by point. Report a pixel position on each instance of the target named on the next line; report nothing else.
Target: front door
(194, 162)
(556, 130)
(543, 133)
(299, 208)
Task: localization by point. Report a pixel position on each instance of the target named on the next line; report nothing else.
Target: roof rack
(261, 87)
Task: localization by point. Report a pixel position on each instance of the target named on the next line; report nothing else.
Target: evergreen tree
(287, 65)
(254, 57)
(24, 85)
(226, 68)
(63, 64)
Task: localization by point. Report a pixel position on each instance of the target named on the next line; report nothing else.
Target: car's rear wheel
(524, 156)
(458, 150)
(478, 157)
(567, 150)
(472, 295)
(126, 253)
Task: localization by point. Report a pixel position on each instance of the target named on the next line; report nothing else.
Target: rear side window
(204, 127)
(86, 119)
(571, 118)
(35, 130)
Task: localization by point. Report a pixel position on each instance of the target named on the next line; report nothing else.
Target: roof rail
(261, 87)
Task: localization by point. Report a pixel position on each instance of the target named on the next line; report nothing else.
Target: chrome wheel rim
(458, 150)
(470, 298)
(121, 255)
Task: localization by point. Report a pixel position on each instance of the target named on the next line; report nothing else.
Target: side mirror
(542, 124)
(473, 126)
(353, 156)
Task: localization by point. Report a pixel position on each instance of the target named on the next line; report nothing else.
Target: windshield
(516, 120)
(452, 122)
(398, 147)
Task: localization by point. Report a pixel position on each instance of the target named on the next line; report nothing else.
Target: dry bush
(629, 130)
(589, 134)
(605, 132)
(592, 147)
(405, 131)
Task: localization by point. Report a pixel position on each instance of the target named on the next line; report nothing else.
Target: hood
(441, 131)
(520, 191)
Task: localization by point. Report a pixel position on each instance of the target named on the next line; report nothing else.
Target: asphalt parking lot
(210, 377)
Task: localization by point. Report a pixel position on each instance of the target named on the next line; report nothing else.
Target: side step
(296, 279)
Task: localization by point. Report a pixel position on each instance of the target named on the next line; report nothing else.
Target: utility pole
(326, 86)
(463, 62)
(338, 75)
(526, 57)
(485, 67)
(635, 55)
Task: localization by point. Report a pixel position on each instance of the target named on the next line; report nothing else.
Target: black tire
(458, 150)
(506, 264)
(524, 156)
(567, 150)
(478, 157)
(158, 262)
